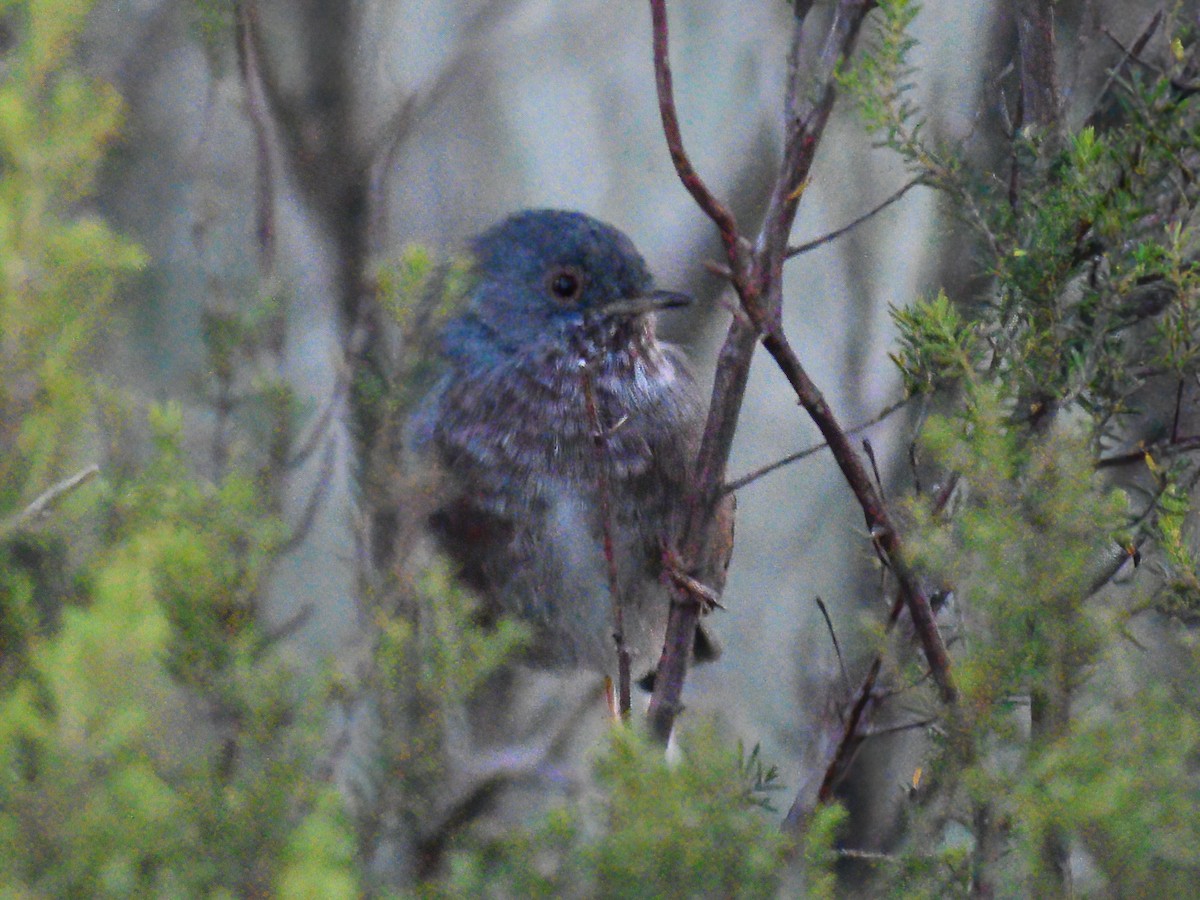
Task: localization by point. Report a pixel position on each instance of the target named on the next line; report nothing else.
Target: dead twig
(837, 647)
(48, 499)
(809, 246)
(738, 483)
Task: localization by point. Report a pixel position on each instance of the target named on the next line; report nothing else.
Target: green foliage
(98, 721)
(1181, 591)
(1084, 244)
(420, 292)
(1022, 553)
(58, 267)
(1126, 783)
(656, 829)
(111, 784)
(936, 346)
(1025, 552)
(152, 741)
(1091, 249)
(878, 78)
(820, 858)
(432, 655)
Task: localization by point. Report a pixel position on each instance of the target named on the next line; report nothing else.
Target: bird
(560, 419)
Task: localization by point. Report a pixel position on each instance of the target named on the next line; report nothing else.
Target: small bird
(559, 402)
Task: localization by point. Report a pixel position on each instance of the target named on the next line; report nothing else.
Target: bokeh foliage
(151, 739)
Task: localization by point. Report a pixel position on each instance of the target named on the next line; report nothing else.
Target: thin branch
(758, 284)
(289, 626)
(384, 146)
(1139, 454)
(808, 246)
(604, 498)
(320, 427)
(898, 729)
(869, 449)
(48, 499)
(313, 505)
(1185, 89)
(1131, 54)
(246, 23)
(705, 199)
(878, 520)
(739, 483)
(837, 648)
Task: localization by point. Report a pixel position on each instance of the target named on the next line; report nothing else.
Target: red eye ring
(565, 284)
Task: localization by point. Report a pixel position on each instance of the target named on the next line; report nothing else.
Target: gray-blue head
(544, 273)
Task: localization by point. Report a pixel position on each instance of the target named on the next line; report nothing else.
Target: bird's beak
(647, 303)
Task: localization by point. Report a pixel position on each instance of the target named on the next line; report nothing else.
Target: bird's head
(546, 273)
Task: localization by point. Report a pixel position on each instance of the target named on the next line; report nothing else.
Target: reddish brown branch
(879, 523)
(750, 477)
(705, 199)
(758, 283)
(829, 237)
(729, 387)
(853, 727)
(757, 277)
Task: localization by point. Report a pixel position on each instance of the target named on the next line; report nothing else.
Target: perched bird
(559, 401)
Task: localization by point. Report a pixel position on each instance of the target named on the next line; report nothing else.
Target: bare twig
(314, 502)
(48, 499)
(1183, 88)
(757, 279)
(319, 430)
(738, 483)
(869, 449)
(1138, 454)
(837, 647)
(1128, 55)
(289, 626)
(411, 110)
(808, 246)
(729, 386)
(885, 730)
(878, 520)
(705, 199)
(246, 23)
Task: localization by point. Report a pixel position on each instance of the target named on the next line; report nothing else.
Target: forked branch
(756, 273)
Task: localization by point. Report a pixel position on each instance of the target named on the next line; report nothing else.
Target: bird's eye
(565, 284)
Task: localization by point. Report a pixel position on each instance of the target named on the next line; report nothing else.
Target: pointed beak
(647, 303)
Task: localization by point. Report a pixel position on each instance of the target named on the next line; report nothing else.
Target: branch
(313, 504)
(738, 483)
(1040, 96)
(729, 387)
(879, 522)
(604, 497)
(808, 246)
(46, 501)
(663, 82)
(758, 283)
(250, 68)
(1138, 454)
(1130, 54)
